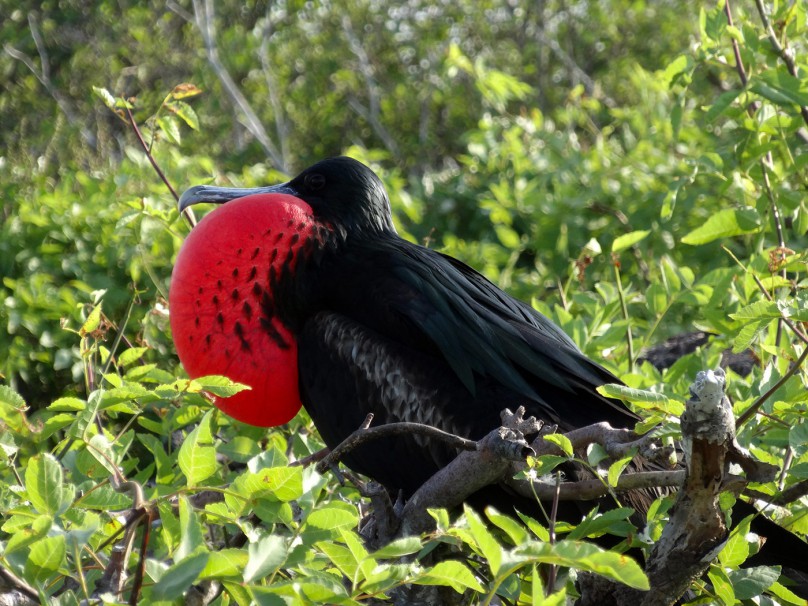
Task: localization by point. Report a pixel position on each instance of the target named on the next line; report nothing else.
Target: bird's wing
(434, 305)
(348, 370)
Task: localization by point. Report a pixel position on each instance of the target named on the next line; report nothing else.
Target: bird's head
(236, 267)
(342, 192)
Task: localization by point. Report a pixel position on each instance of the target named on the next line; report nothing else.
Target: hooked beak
(220, 195)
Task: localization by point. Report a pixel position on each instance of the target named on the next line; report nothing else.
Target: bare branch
(366, 434)
(371, 113)
(16, 591)
(792, 493)
(281, 126)
(43, 75)
(466, 474)
(588, 490)
(204, 21)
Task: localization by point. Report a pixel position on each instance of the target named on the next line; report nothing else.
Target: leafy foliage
(526, 139)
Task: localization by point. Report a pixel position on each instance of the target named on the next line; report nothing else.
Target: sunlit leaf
(197, 457)
(179, 577)
(724, 224)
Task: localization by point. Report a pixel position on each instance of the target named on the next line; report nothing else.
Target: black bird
(380, 324)
(305, 292)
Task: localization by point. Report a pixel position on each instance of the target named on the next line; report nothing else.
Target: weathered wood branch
(691, 539)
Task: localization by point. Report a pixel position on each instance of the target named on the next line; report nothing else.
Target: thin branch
(373, 112)
(624, 308)
(281, 126)
(736, 50)
(767, 159)
(204, 21)
(785, 54)
(795, 329)
(366, 434)
(188, 212)
(17, 583)
(750, 412)
(587, 490)
(43, 75)
(792, 493)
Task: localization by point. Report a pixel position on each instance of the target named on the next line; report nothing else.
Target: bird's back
(413, 335)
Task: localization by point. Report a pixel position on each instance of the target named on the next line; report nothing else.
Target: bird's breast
(227, 301)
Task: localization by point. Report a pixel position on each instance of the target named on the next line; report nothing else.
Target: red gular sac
(222, 308)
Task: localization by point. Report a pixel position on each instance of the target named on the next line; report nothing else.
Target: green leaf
(225, 563)
(357, 548)
(92, 323)
(68, 404)
(85, 417)
(515, 531)
(192, 537)
(616, 468)
(265, 556)
(169, 127)
(747, 333)
(798, 439)
(450, 573)
(101, 450)
(11, 399)
(25, 536)
(341, 557)
(724, 224)
(44, 484)
(721, 104)
(675, 67)
(535, 527)
(628, 240)
(785, 93)
(562, 441)
(332, 518)
(544, 464)
(399, 547)
(585, 556)
(736, 549)
(105, 96)
(722, 586)
(131, 355)
(759, 310)
(12, 410)
(643, 398)
(164, 463)
(595, 524)
(45, 558)
(179, 577)
(750, 582)
(217, 385)
(786, 596)
(491, 550)
(185, 112)
(285, 483)
(197, 457)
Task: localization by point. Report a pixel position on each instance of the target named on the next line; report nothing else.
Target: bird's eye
(315, 181)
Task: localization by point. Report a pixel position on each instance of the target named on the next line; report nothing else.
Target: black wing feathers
(436, 306)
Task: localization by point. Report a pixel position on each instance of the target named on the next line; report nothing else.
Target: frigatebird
(305, 292)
